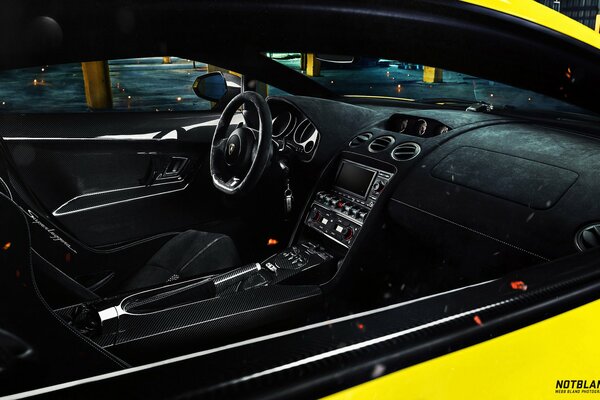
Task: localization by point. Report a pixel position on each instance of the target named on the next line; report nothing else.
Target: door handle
(164, 169)
(174, 168)
(153, 171)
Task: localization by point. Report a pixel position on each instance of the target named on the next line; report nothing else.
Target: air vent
(588, 237)
(381, 143)
(406, 151)
(360, 139)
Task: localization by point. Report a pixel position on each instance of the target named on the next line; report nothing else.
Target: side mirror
(211, 86)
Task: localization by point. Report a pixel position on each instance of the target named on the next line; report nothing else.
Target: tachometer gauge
(283, 124)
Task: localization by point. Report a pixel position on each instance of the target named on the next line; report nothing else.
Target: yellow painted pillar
(214, 68)
(433, 75)
(96, 81)
(166, 60)
(313, 65)
(597, 29)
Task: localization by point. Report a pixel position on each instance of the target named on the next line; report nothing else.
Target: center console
(255, 294)
(260, 292)
(340, 212)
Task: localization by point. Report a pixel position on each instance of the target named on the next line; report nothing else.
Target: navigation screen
(354, 179)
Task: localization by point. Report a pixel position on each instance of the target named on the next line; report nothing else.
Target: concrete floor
(396, 80)
(137, 85)
(149, 85)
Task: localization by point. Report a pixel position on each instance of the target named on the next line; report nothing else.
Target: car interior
(153, 235)
(276, 213)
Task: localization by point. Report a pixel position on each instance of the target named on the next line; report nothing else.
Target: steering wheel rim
(238, 159)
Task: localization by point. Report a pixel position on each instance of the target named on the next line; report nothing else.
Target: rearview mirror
(211, 86)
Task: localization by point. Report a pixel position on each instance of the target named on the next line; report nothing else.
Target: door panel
(61, 171)
(110, 189)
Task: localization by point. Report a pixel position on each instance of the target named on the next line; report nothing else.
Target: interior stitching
(180, 270)
(37, 292)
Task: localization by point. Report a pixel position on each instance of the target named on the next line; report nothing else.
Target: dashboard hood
(510, 46)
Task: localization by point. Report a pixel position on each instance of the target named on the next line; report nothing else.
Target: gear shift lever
(233, 277)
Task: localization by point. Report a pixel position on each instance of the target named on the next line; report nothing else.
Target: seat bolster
(190, 253)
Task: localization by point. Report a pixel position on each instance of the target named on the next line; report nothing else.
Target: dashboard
(339, 213)
(487, 192)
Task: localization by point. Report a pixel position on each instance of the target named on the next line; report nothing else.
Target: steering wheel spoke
(219, 146)
(255, 132)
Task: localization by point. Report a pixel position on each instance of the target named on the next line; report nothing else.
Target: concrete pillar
(313, 65)
(166, 60)
(597, 29)
(262, 88)
(433, 75)
(96, 80)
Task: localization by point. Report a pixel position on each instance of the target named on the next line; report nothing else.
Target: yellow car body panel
(537, 13)
(523, 364)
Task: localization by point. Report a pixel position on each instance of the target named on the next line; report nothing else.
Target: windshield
(415, 82)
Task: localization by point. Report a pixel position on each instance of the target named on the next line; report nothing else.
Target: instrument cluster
(294, 131)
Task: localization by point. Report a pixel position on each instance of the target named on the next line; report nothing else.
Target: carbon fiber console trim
(330, 356)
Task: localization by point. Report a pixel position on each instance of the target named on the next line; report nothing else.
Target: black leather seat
(191, 253)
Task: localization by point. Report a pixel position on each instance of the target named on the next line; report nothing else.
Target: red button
(348, 233)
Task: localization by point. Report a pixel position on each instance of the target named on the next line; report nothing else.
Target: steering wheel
(238, 159)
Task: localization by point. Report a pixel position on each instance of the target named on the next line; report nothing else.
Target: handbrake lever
(234, 277)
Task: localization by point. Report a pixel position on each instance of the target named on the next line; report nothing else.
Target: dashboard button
(348, 232)
(315, 215)
(378, 186)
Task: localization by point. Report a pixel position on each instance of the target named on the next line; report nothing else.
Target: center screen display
(354, 179)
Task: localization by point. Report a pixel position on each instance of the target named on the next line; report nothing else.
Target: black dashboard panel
(539, 222)
(530, 192)
(529, 183)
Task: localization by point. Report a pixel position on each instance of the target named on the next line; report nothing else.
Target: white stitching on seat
(41, 299)
(472, 230)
